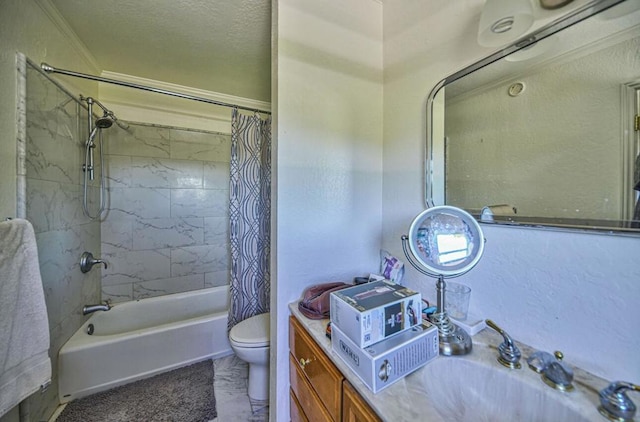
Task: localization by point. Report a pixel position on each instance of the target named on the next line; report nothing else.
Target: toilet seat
(252, 332)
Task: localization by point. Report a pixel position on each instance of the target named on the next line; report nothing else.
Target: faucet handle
(509, 354)
(87, 261)
(539, 360)
(558, 374)
(614, 402)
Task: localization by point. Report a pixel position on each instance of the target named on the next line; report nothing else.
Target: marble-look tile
(49, 195)
(116, 235)
(198, 259)
(21, 136)
(163, 173)
(136, 266)
(132, 203)
(118, 172)
(118, 293)
(140, 179)
(53, 152)
(167, 232)
(216, 175)
(167, 286)
(59, 254)
(139, 140)
(216, 230)
(216, 278)
(205, 146)
(230, 378)
(53, 205)
(199, 202)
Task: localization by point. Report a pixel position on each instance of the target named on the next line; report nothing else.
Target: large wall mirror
(542, 132)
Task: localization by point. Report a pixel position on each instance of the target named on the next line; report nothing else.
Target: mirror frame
(603, 226)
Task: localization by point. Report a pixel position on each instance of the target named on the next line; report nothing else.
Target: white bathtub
(138, 339)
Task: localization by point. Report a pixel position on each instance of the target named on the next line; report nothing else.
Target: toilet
(250, 341)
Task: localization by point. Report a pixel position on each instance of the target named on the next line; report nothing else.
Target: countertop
(409, 399)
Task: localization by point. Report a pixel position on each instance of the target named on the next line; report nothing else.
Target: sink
(477, 388)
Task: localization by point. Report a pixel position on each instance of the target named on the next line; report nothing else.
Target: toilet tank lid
(252, 330)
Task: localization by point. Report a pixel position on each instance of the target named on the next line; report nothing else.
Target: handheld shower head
(91, 137)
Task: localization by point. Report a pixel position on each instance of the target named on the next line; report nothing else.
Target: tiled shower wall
(53, 156)
(166, 230)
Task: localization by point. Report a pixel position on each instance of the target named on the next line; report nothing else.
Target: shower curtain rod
(50, 69)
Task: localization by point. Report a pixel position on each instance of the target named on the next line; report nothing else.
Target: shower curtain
(249, 215)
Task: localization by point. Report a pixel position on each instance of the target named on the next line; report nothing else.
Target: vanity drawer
(295, 410)
(311, 362)
(308, 405)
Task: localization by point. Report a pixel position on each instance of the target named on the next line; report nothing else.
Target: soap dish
(472, 325)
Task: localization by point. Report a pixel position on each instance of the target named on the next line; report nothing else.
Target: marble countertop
(411, 398)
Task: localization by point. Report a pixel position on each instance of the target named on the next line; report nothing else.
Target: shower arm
(90, 101)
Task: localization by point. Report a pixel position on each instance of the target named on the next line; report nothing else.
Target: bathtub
(138, 339)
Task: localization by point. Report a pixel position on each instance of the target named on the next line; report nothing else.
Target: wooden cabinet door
(308, 402)
(311, 363)
(354, 408)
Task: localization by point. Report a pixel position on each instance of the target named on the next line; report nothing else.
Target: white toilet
(250, 341)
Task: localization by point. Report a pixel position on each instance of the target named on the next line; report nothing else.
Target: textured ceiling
(217, 45)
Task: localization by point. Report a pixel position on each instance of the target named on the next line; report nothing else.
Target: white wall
(328, 104)
(569, 291)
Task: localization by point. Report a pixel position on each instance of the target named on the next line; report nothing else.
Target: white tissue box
(369, 313)
(390, 360)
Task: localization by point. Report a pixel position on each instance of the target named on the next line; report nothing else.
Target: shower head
(105, 121)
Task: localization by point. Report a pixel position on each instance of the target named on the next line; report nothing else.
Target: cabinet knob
(304, 362)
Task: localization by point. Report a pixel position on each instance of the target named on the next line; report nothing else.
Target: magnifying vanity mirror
(545, 132)
(445, 242)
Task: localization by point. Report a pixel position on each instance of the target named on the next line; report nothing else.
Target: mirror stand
(453, 339)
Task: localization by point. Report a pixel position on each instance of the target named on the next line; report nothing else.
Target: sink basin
(477, 388)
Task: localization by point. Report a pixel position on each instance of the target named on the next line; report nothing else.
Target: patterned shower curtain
(250, 215)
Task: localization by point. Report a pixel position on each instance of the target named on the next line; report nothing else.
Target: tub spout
(88, 309)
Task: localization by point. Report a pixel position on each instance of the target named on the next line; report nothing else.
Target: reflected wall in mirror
(546, 131)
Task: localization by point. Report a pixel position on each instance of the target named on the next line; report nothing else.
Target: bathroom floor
(230, 389)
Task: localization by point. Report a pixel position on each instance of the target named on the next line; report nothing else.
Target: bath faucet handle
(509, 354)
(87, 261)
(614, 402)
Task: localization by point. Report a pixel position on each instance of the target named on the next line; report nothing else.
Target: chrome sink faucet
(509, 354)
(614, 402)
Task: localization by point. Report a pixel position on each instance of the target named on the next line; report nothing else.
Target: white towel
(24, 326)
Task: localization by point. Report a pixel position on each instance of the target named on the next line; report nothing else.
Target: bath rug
(182, 395)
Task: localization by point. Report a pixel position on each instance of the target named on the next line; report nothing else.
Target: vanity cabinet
(354, 408)
(319, 391)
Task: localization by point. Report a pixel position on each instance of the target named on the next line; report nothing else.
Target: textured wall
(167, 226)
(329, 161)
(569, 291)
